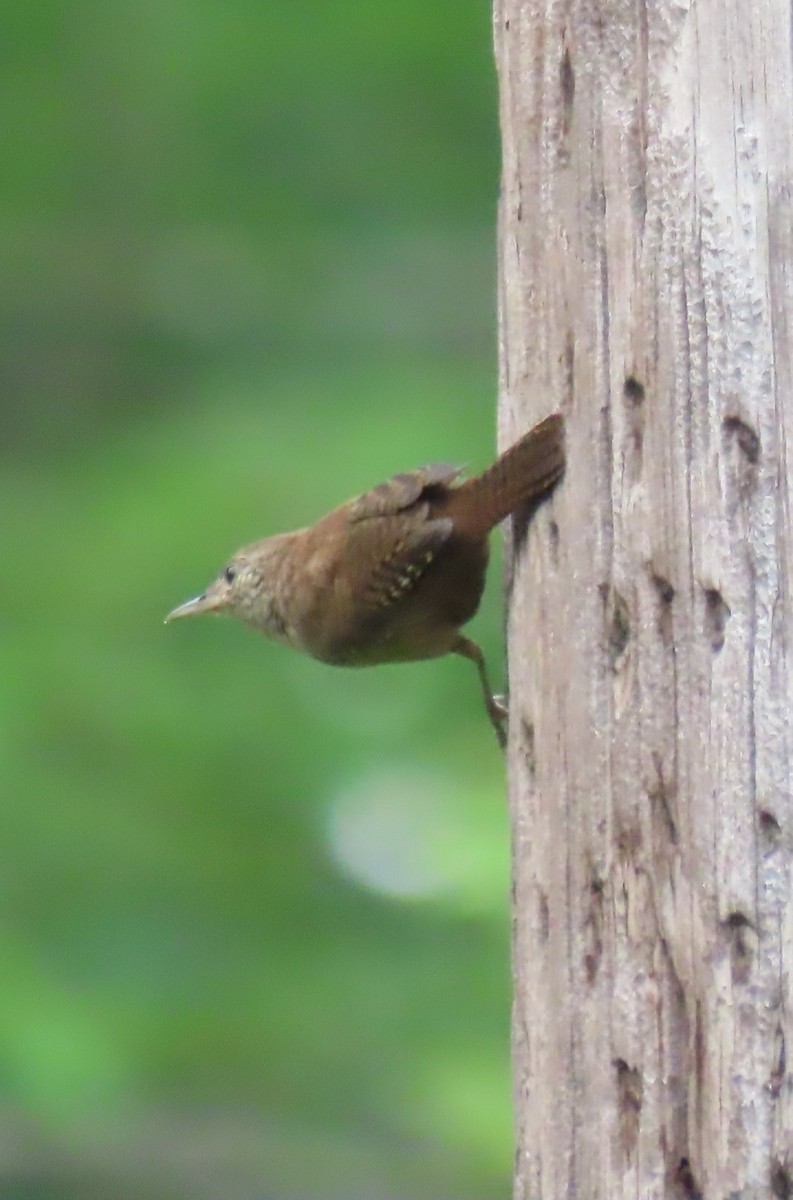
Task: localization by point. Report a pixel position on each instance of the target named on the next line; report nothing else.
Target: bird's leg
(496, 708)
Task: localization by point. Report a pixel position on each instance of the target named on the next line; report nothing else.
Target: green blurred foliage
(254, 909)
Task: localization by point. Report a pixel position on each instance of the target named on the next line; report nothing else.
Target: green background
(254, 918)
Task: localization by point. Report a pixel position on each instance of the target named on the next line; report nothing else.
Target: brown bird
(391, 575)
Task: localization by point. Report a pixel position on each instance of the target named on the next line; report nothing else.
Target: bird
(391, 575)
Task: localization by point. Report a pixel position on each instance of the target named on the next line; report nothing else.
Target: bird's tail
(525, 470)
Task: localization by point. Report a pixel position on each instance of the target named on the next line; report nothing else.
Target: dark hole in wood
(780, 1181)
(633, 390)
(746, 438)
(619, 629)
(717, 614)
(687, 1181)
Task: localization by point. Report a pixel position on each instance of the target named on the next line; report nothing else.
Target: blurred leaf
(254, 910)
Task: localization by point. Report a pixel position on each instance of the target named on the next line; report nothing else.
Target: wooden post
(646, 259)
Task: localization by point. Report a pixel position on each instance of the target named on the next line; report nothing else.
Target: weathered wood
(646, 247)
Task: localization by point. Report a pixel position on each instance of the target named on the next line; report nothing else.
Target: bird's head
(245, 589)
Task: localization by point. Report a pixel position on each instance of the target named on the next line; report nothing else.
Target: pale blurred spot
(397, 830)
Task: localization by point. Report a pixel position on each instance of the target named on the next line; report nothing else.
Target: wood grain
(646, 287)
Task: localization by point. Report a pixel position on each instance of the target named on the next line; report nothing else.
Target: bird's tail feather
(527, 469)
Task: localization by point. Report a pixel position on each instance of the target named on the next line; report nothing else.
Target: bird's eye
(229, 574)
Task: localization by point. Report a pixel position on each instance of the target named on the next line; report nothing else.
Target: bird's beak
(194, 607)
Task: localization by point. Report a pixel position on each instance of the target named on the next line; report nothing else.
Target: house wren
(391, 575)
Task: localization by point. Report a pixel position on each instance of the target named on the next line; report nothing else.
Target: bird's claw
(499, 714)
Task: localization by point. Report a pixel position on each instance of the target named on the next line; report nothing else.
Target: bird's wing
(392, 554)
(387, 541)
(402, 491)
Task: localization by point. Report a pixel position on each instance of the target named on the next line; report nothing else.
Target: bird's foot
(498, 711)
